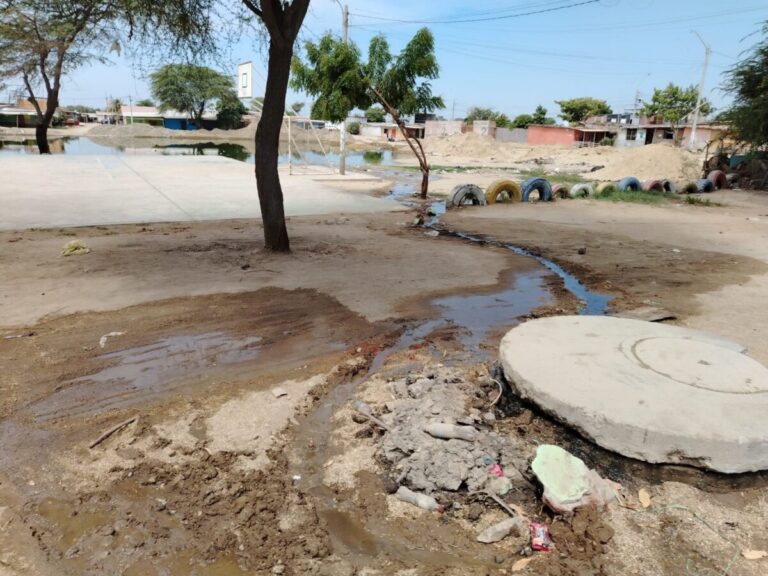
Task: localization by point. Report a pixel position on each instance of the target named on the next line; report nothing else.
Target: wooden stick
(111, 431)
(373, 419)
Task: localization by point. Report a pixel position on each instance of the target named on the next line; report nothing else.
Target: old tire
(540, 185)
(582, 190)
(605, 188)
(466, 194)
(669, 186)
(560, 191)
(718, 178)
(689, 188)
(653, 186)
(630, 183)
(705, 185)
(499, 187)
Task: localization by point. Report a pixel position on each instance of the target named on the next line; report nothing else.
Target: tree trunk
(41, 137)
(267, 145)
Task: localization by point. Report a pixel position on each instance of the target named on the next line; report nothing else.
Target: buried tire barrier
(630, 183)
(689, 188)
(540, 185)
(718, 178)
(705, 185)
(466, 193)
(499, 187)
(581, 191)
(560, 191)
(605, 188)
(653, 185)
(669, 186)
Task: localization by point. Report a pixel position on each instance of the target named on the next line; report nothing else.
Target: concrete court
(658, 393)
(63, 191)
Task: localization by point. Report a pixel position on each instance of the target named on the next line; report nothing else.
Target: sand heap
(655, 161)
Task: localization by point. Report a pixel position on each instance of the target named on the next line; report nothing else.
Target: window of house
(631, 133)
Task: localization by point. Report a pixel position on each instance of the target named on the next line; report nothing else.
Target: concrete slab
(650, 391)
(61, 191)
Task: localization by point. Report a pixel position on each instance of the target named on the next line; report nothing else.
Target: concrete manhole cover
(649, 391)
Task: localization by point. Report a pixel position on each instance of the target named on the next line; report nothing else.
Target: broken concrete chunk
(568, 483)
(451, 431)
(279, 392)
(500, 486)
(514, 526)
(420, 500)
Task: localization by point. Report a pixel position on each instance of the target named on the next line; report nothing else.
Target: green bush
(607, 141)
(353, 128)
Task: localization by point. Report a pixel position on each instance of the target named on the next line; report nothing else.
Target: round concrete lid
(649, 391)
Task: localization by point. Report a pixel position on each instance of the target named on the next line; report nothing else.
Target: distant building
(171, 119)
(390, 131)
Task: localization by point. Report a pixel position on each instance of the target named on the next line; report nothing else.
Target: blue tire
(540, 185)
(705, 185)
(631, 184)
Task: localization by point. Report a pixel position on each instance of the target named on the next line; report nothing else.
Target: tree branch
(253, 8)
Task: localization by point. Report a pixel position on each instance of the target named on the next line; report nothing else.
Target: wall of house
(443, 127)
(371, 131)
(552, 135)
(484, 128)
(518, 135)
(622, 142)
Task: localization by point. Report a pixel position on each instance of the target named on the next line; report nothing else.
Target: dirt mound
(130, 131)
(645, 162)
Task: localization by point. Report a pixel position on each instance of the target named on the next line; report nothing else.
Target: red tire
(559, 191)
(653, 185)
(717, 177)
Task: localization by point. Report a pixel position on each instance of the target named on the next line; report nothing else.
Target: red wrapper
(540, 538)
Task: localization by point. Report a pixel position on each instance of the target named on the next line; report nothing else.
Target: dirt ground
(235, 374)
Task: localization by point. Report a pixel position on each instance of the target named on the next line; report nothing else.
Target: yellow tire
(499, 187)
(605, 188)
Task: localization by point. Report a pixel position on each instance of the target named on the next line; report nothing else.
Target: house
(132, 114)
(444, 127)
(568, 135)
(171, 119)
(12, 116)
(390, 131)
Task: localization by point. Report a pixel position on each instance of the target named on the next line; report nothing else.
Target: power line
(483, 19)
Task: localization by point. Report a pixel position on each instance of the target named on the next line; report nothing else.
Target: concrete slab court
(650, 391)
(61, 190)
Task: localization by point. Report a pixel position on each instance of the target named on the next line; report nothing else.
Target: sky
(511, 55)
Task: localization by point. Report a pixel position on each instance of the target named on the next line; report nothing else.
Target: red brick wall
(551, 135)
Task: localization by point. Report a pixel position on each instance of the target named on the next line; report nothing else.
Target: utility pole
(343, 133)
(707, 52)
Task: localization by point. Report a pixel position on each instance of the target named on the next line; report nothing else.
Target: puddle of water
(138, 373)
(73, 524)
(479, 314)
(83, 146)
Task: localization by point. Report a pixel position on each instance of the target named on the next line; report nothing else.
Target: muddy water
(137, 374)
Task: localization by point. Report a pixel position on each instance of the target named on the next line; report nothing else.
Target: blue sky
(610, 49)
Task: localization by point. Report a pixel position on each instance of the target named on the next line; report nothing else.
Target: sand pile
(655, 161)
(146, 131)
(471, 146)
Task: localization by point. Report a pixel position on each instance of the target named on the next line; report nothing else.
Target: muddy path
(245, 456)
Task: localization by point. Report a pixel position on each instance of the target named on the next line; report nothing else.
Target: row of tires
(542, 190)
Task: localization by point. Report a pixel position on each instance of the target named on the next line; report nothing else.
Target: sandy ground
(235, 372)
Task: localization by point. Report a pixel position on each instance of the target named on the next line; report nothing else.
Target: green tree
(748, 82)
(43, 41)
(230, 111)
(188, 88)
(577, 110)
(478, 113)
(522, 121)
(335, 74)
(145, 102)
(296, 108)
(674, 103)
(375, 114)
(539, 116)
(282, 21)
(82, 108)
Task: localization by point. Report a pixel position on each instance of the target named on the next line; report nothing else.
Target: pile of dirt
(130, 131)
(655, 161)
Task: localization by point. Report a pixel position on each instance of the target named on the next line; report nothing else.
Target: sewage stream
(476, 315)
